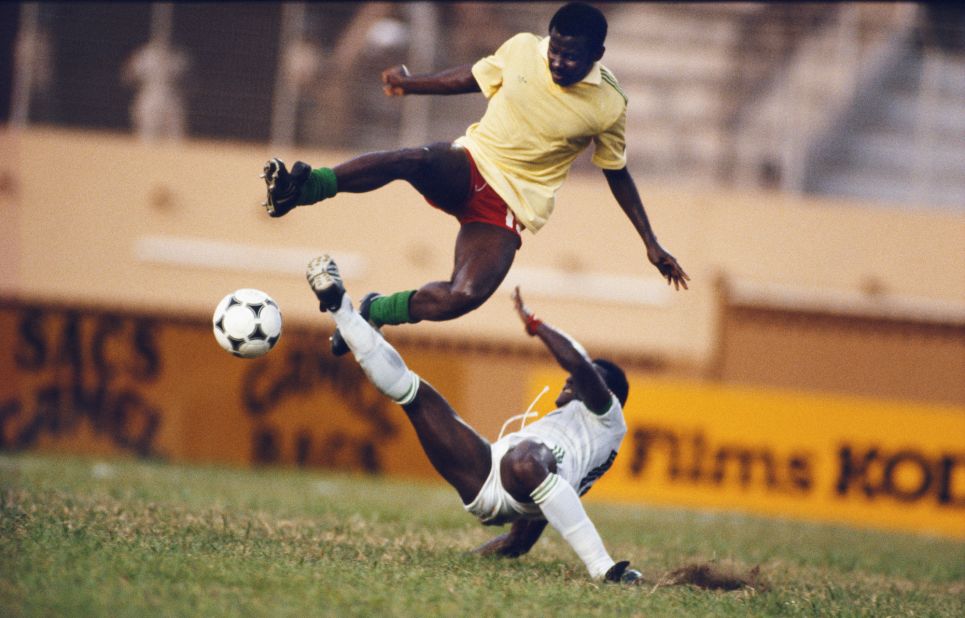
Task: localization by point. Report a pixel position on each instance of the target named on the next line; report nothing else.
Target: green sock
(321, 183)
(391, 309)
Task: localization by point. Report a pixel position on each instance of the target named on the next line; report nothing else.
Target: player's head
(612, 375)
(577, 32)
(581, 19)
(615, 378)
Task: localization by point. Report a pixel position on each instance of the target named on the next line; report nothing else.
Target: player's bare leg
(484, 253)
(525, 467)
(460, 455)
(439, 171)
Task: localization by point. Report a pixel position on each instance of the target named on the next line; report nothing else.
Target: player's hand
(393, 80)
(503, 545)
(521, 309)
(519, 540)
(668, 266)
(530, 321)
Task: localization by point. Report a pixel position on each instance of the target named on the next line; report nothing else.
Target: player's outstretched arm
(397, 81)
(624, 189)
(571, 356)
(518, 541)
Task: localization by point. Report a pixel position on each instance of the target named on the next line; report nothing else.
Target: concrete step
(895, 189)
(687, 104)
(642, 62)
(655, 24)
(891, 151)
(905, 112)
(678, 142)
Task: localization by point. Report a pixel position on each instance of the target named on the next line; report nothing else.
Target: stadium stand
(860, 100)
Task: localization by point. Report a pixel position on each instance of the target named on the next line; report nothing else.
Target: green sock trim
(321, 183)
(391, 309)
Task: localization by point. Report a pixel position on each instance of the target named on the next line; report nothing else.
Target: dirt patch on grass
(725, 576)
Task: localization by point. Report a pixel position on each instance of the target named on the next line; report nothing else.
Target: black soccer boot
(322, 274)
(283, 187)
(621, 573)
(339, 347)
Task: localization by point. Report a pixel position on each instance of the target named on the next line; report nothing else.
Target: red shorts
(483, 205)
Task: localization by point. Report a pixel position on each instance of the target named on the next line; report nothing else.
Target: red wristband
(532, 323)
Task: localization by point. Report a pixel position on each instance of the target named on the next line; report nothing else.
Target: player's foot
(621, 573)
(322, 274)
(339, 347)
(283, 187)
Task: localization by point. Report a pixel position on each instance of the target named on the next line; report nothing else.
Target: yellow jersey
(534, 129)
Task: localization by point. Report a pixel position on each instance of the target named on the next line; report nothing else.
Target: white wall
(102, 219)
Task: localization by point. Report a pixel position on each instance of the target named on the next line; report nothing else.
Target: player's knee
(461, 301)
(414, 164)
(410, 162)
(524, 467)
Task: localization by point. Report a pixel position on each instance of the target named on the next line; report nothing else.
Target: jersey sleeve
(610, 147)
(489, 70)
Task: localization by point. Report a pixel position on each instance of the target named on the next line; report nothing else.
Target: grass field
(80, 537)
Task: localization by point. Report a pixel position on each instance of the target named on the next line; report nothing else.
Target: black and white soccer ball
(247, 323)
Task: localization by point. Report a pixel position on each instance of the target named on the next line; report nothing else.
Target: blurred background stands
(859, 100)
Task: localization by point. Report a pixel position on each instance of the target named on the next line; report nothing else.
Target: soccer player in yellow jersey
(549, 99)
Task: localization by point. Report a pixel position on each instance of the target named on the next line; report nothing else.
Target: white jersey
(584, 444)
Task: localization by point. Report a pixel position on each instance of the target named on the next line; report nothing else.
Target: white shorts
(493, 505)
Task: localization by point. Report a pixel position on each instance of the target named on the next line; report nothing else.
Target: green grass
(78, 538)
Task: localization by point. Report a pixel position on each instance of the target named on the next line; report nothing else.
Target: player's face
(570, 58)
(567, 394)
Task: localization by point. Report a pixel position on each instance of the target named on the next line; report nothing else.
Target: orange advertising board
(822, 457)
(99, 382)
(91, 381)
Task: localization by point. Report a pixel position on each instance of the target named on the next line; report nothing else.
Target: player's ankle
(391, 309)
(320, 184)
(344, 305)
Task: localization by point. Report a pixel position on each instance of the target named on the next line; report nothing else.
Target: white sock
(563, 510)
(378, 359)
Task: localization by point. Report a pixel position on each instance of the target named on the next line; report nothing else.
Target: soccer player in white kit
(531, 478)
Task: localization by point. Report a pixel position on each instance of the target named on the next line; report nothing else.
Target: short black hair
(615, 378)
(581, 19)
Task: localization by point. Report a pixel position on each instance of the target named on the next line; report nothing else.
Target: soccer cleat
(621, 573)
(339, 347)
(322, 274)
(283, 187)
